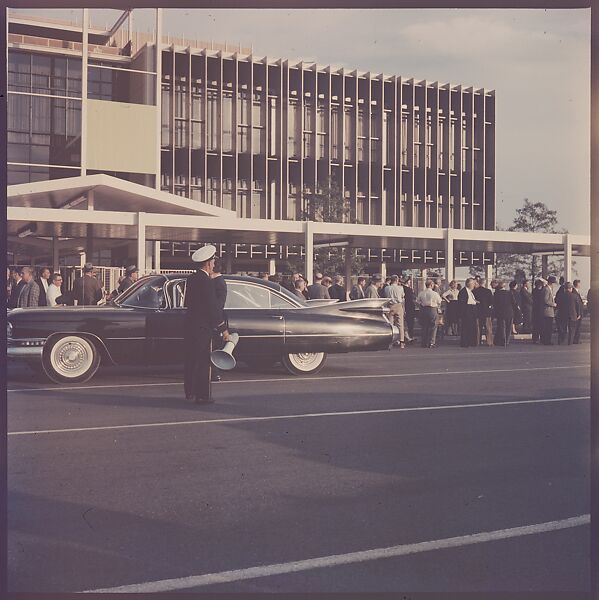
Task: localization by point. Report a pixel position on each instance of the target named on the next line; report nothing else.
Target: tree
(531, 217)
(328, 205)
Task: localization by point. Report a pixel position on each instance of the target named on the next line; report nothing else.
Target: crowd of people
(479, 312)
(476, 312)
(27, 287)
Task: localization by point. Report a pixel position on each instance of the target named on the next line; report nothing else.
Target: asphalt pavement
(417, 470)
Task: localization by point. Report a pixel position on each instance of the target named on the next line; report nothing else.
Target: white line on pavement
(298, 379)
(298, 416)
(194, 581)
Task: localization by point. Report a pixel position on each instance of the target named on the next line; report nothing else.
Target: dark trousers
(469, 330)
(197, 365)
(503, 332)
(576, 339)
(451, 318)
(562, 326)
(572, 326)
(428, 322)
(537, 328)
(409, 316)
(526, 319)
(547, 330)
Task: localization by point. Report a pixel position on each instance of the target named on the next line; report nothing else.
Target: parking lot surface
(423, 470)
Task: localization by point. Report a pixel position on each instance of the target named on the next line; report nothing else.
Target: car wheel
(70, 359)
(304, 363)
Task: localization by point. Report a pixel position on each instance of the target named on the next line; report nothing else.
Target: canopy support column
(272, 266)
(141, 243)
(568, 271)
(489, 274)
(449, 265)
(156, 256)
(55, 254)
(349, 255)
(309, 251)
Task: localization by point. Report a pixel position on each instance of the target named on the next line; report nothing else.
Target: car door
(166, 327)
(253, 312)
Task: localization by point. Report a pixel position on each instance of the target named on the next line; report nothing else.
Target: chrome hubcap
(72, 357)
(306, 361)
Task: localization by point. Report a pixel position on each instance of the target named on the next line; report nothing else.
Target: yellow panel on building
(121, 137)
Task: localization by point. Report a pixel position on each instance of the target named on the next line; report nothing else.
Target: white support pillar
(349, 252)
(55, 254)
(309, 251)
(449, 265)
(568, 271)
(156, 256)
(141, 243)
(383, 270)
(158, 92)
(229, 261)
(272, 266)
(84, 57)
(489, 274)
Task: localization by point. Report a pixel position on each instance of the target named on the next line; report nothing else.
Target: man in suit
(571, 308)
(396, 294)
(517, 318)
(30, 292)
(504, 307)
(87, 290)
(202, 317)
(538, 306)
(357, 292)
(374, 288)
(317, 291)
(131, 275)
(15, 291)
(469, 315)
(526, 307)
(409, 309)
(43, 282)
(576, 291)
(484, 296)
(548, 313)
(337, 290)
(298, 289)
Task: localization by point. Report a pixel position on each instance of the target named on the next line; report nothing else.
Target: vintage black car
(145, 326)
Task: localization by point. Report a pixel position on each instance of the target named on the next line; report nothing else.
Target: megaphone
(224, 359)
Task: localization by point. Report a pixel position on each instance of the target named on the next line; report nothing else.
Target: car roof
(246, 278)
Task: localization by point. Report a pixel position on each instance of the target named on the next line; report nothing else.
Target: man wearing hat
(87, 290)
(203, 316)
(131, 275)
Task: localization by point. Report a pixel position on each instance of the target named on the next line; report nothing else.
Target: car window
(277, 301)
(243, 295)
(149, 295)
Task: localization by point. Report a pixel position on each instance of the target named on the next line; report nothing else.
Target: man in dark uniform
(504, 306)
(87, 290)
(202, 317)
(526, 307)
(131, 275)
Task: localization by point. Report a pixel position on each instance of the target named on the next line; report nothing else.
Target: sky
(537, 61)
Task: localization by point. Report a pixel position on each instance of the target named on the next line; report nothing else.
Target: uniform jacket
(87, 290)
(30, 295)
(203, 310)
(317, 291)
(548, 302)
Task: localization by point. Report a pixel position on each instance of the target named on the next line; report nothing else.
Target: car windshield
(147, 292)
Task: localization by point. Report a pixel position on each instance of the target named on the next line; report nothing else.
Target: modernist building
(259, 136)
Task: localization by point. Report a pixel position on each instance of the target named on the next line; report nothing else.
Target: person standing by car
(397, 296)
(87, 290)
(526, 307)
(30, 292)
(54, 290)
(317, 291)
(485, 311)
(357, 292)
(337, 290)
(468, 314)
(17, 285)
(373, 290)
(298, 289)
(429, 302)
(131, 276)
(505, 307)
(202, 317)
(43, 282)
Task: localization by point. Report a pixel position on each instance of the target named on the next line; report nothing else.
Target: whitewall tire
(305, 363)
(70, 359)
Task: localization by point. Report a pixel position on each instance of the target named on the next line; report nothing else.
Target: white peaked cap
(204, 253)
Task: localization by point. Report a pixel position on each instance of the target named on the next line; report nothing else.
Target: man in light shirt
(429, 302)
(395, 293)
(54, 290)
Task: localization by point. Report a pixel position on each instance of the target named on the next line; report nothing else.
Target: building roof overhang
(107, 193)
